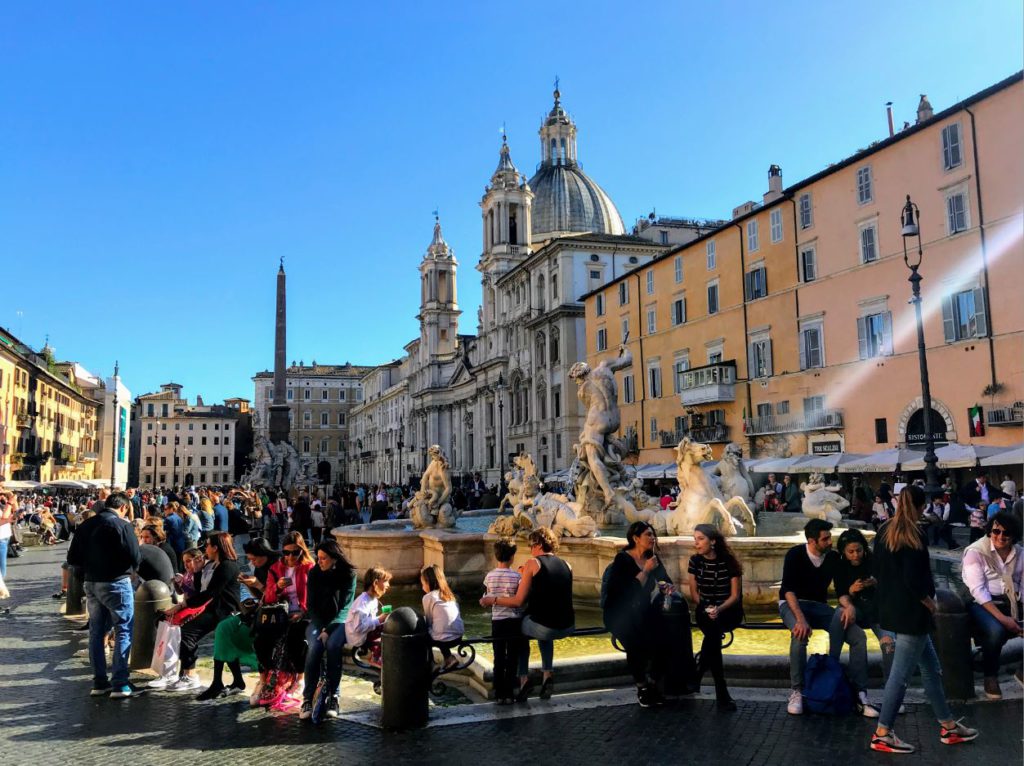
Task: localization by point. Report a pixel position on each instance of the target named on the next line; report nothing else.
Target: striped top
(503, 583)
(713, 578)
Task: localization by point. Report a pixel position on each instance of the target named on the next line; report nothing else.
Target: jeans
(3, 557)
(546, 638)
(914, 652)
(855, 636)
(315, 649)
(510, 646)
(817, 615)
(110, 605)
(991, 635)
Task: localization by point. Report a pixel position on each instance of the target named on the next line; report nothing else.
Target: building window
(163, 440)
(602, 339)
(215, 460)
(555, 352)
(679, 367)
(756, 283)
(599, 304)
(595, 274)
(324, 418)
(654, 430)
(776, 224)
(760, 357)
(227, 441)
(710, 256)
(957, 218)
(623, 293)
(650, 281)
(202, 442)
(305, 446)
(814, 404)
(679, 311)
(149, 461)
(149, 410)
(963, 315)
(874, 335)
(782, 408)
(677, 265)
(663, 235)
(806, 215)
(808, 264)
(202, 478)
(951, 154)
(290, 395)
(189, 440)
(341, 418)
(868, 244)
(654, 381)
(713, 297)
(865, 193)
(324, 394)
(881, 431)
(556, 401)
(341, 394)
(652, 321)
(628, 389)
(554, 285)
(752, 241)
(202, 460)
(811, 351)
(558, 446)
(625, 329)
(764, 410)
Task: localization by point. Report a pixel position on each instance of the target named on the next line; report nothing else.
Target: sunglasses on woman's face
(1000, 533)
(291, 551)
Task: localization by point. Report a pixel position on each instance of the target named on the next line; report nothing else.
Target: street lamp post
(174, 467)
(401, 444)
(499, 387)
(156, 439)
(117, 433)
(911, 227)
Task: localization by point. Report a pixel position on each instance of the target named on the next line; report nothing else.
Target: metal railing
(815, 420)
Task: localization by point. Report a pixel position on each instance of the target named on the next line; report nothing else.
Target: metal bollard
(953, 645)
(405, 670)
(681, 673)
(74, 604)
(150, 597)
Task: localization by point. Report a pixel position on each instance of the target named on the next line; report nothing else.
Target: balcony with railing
(715, 433)
(816, 420)
(1012, 415)
(711, 383)
(23, 420)
(88, 457)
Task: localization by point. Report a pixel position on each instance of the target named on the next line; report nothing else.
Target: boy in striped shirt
(506, 623)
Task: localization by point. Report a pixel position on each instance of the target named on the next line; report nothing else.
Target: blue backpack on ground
(826, 689)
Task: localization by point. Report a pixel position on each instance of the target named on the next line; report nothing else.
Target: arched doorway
(915, 435)
(189, 479)
(323, 472)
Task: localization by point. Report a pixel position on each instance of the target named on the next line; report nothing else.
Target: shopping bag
(165, 652)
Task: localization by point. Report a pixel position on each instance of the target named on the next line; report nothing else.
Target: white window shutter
(887, 333)
(751, 361)
(980, 312)
(803, 350)
(862, 336)
(768, 362)
(948, 321)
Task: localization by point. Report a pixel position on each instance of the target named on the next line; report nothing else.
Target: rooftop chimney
(774, 184)
(888, 113)
(924, 109)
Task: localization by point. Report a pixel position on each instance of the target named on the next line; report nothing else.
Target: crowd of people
(255, 570)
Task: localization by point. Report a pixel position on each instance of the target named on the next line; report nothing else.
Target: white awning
(826, 463)
(884, 461)
(1009, 456)
(954, 456)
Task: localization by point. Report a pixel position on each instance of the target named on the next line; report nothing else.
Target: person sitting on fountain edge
(807, 572)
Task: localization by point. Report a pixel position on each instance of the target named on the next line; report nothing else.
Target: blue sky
(158, 159)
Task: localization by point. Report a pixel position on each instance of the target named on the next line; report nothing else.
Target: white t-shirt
(362, 618)
(442, 617)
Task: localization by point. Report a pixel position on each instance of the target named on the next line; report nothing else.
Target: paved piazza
(49, 718)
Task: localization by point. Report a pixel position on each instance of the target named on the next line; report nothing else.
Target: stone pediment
(462, 374)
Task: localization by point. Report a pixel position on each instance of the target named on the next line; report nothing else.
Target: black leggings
(191, 634)
(711, 646)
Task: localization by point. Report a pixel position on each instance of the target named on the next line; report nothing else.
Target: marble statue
(600, 478)
(734, 480)
(821, 502)
(430, 506)
(279, 465)
(699, 501)
(532, 508)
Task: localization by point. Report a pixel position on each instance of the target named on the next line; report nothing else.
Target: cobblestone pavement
(47, 717)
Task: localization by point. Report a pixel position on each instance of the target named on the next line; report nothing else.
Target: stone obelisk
(279, 407)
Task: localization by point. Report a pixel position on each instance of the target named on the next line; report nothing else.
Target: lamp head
(910, 220)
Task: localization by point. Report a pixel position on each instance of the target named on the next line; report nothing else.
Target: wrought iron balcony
(719, 432)
(711, 383)
(1006, 416)
(816, 420)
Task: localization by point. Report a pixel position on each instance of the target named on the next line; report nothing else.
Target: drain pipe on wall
(743, 294)
(984, 252)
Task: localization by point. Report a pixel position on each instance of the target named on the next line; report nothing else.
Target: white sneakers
(184, 684)
(866, 710)
(162, 682)
(796, 703)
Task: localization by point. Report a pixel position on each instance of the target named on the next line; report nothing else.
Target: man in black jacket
(107, 551)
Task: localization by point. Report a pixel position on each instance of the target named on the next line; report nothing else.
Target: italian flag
(977, 423)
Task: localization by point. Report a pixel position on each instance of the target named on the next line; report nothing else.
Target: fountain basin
(467, 556)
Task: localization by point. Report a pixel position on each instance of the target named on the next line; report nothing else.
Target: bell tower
(439, 308)
(506, 227)
(558, 135)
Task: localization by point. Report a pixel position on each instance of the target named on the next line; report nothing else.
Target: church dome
(565, 199)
